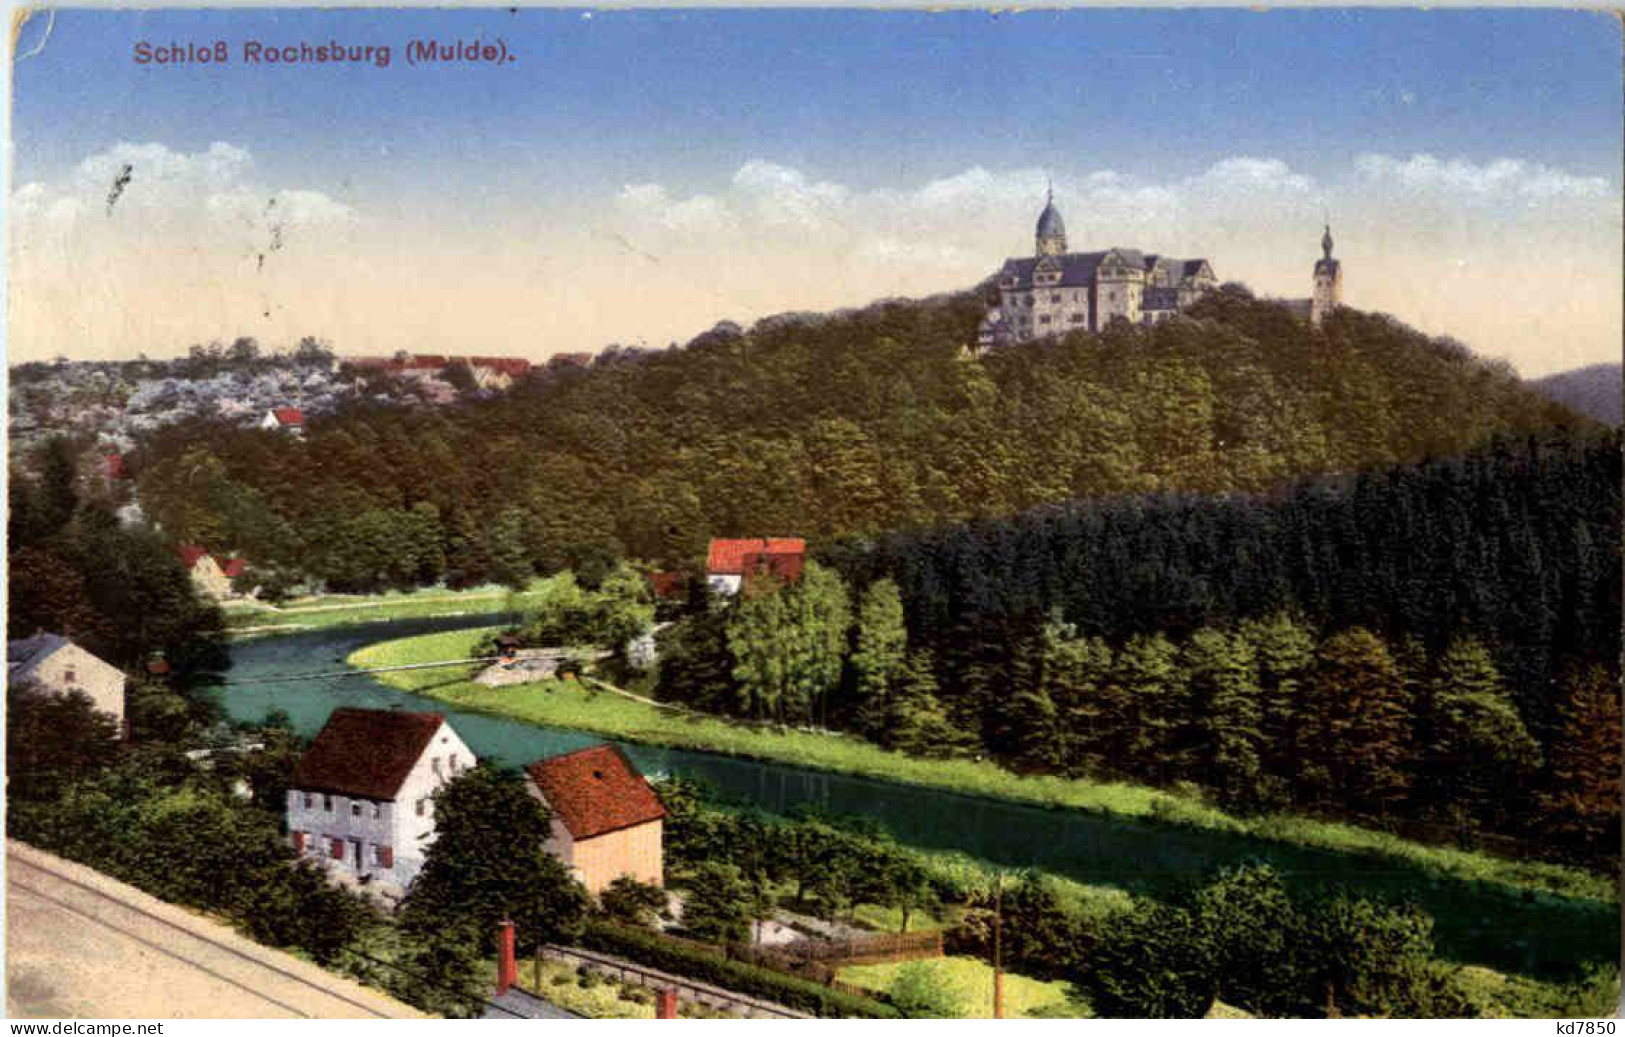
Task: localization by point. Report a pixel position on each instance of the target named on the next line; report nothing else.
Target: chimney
(507, 968)
(666, 1003)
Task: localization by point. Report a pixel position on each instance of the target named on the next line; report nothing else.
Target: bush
(921, 991)
(1151, 963)
(632, 902)
(687, 959)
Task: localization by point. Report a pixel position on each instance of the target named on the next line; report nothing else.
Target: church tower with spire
(1328, 282)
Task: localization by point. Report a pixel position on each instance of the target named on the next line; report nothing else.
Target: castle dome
(1050, 224)
(1051, 229)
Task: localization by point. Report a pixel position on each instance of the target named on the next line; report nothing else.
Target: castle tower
(1328, 282)
(1051, 228)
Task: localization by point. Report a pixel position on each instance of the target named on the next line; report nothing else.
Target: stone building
(361, 798)
(1056, 291)
(55, 664)
(607, 821)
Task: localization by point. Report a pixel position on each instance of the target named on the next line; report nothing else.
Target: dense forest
(73, 569)
(852, 423)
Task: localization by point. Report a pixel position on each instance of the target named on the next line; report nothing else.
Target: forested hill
(826, 426)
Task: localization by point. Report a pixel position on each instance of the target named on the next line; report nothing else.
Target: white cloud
(1501, 178)
(134, 188)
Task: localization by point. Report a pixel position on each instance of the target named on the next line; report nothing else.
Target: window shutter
(386, 857)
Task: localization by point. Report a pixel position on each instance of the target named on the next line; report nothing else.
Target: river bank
(568, 704)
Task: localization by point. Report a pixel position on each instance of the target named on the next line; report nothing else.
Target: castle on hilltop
(1056, 291)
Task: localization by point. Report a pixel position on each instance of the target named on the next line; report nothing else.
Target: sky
(636, 176)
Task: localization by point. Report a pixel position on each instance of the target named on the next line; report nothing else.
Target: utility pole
(998, 949)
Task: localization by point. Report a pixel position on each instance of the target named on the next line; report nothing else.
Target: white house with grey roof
(1056, 291)
(55, 664)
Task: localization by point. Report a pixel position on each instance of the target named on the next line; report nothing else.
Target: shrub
(922, 991)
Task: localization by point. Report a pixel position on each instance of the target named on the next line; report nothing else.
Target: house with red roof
(361, 798)
(208, 577)
(607, 821)
(731, 564)
(211, 574)
(284, 419)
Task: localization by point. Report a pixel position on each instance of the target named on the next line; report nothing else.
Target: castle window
(1056, 297)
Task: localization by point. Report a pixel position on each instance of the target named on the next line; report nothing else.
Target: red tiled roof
(115, 466)
(190, 553)
(289, 415)
(784, 566)
(668, 584)
(232, 567)
(365, 752)
(727, 557)
(595, 791)
(509, 365)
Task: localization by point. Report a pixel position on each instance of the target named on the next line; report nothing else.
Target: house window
(310, 801)
(69, 676)
(327, 803)
(1044, 319)
(422, 803)
(377, 811)
(355, 808)
(1056, 297)
(434, 764)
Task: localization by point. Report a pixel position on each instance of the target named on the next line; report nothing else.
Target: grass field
(969, 982)
(569, 704)
(247, 618)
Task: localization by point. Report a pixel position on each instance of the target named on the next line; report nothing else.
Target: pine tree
(1285, 652)
(1091, 710)
(878, 659)
(1149, 678)
(1355, 736)
(1581, 805)
(1483, 749)
(918, 724)
(1223, 676)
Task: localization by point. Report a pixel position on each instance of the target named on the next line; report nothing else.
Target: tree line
(853, 423)
(1435, 643)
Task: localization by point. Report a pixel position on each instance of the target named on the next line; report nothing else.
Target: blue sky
(869, 102)
(677, 94)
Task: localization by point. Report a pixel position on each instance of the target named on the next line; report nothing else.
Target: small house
(361, 798)
(211, 574)
(55, 664)
(284, 419)
(607, 821)
(730, 564)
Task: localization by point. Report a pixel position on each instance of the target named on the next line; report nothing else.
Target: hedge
(685, 959)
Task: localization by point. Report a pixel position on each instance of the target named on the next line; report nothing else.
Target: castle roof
(1078, 268)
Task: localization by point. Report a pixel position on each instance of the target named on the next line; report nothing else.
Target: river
(1521, 932)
